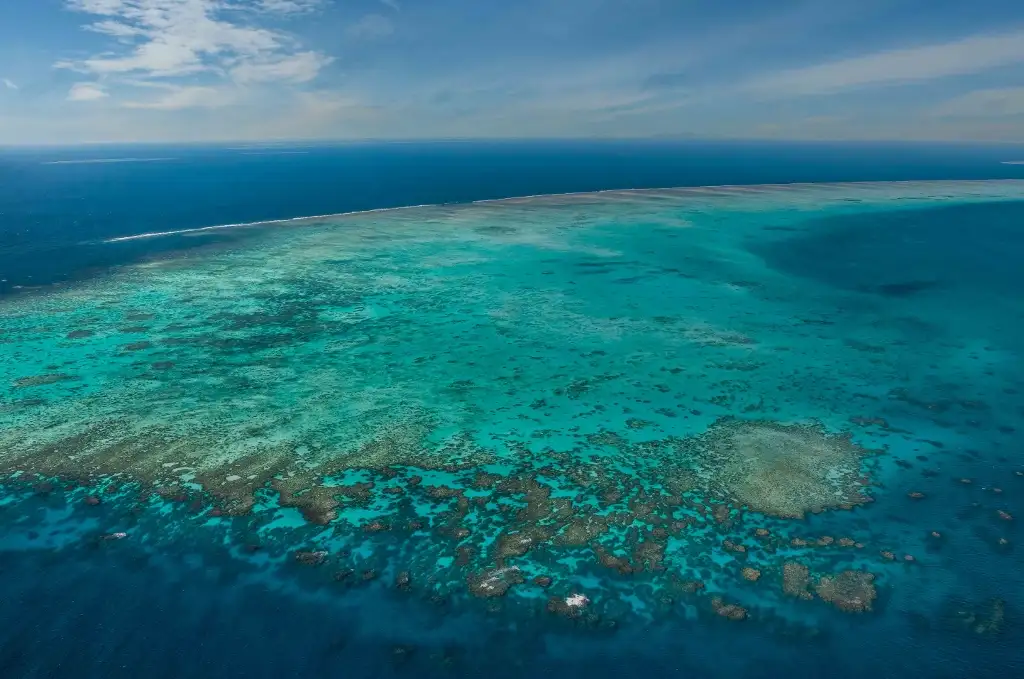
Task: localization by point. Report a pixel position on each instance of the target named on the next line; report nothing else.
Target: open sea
(518, 409)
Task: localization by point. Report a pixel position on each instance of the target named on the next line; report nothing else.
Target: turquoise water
(620, 431)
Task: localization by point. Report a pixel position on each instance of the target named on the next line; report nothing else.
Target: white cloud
(86, 92)
(8, 83)
(326, 102)
(996, 102)
(960, 57)
(393, 4)
(371, 26)
(176, 98)
(290, 6)
(172, 38)
(297, 68)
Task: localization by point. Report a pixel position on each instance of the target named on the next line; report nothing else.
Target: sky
(82, 71)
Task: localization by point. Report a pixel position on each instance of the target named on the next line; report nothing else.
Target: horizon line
(248, 144)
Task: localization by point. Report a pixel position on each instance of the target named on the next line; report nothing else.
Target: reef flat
(690, 407)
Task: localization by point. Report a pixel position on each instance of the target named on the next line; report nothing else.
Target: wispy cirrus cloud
(296, 68)
(178, 97)
(8, 83)
(966, 56)
(987, 103)
(370, 27)
(222, 39)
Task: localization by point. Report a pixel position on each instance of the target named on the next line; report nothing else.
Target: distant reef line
(740, 189)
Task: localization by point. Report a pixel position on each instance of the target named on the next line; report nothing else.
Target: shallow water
(349, 445)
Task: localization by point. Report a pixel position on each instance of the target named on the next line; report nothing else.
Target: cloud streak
(966, 56)
(176, 98)
(290, 6)
(8, 83)
(995, 102)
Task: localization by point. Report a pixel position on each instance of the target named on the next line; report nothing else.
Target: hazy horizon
(298, 142)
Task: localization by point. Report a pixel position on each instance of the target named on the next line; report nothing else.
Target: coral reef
(987, 620)
(460, 431)
(751, 574)
(849, 591)
(41, 380)
(496, 582)
(728, 611)
(311, 558)
(783, 470)
(796, 580)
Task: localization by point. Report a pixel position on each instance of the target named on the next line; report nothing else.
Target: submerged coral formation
(783, 470)
(796, 578)
(987, 619)
(849, 591)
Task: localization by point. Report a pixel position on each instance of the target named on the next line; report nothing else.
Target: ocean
(57, 207)
(577, 409)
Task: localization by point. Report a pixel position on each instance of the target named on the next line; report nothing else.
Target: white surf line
(92, 161)
(748, 188)
(155, 234)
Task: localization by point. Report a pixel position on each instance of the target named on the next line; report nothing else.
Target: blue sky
(203, 70)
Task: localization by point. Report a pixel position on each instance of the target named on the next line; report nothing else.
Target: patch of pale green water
(588, 345)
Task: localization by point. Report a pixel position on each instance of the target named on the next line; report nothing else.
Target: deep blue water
(118, 609)
(52, 216)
